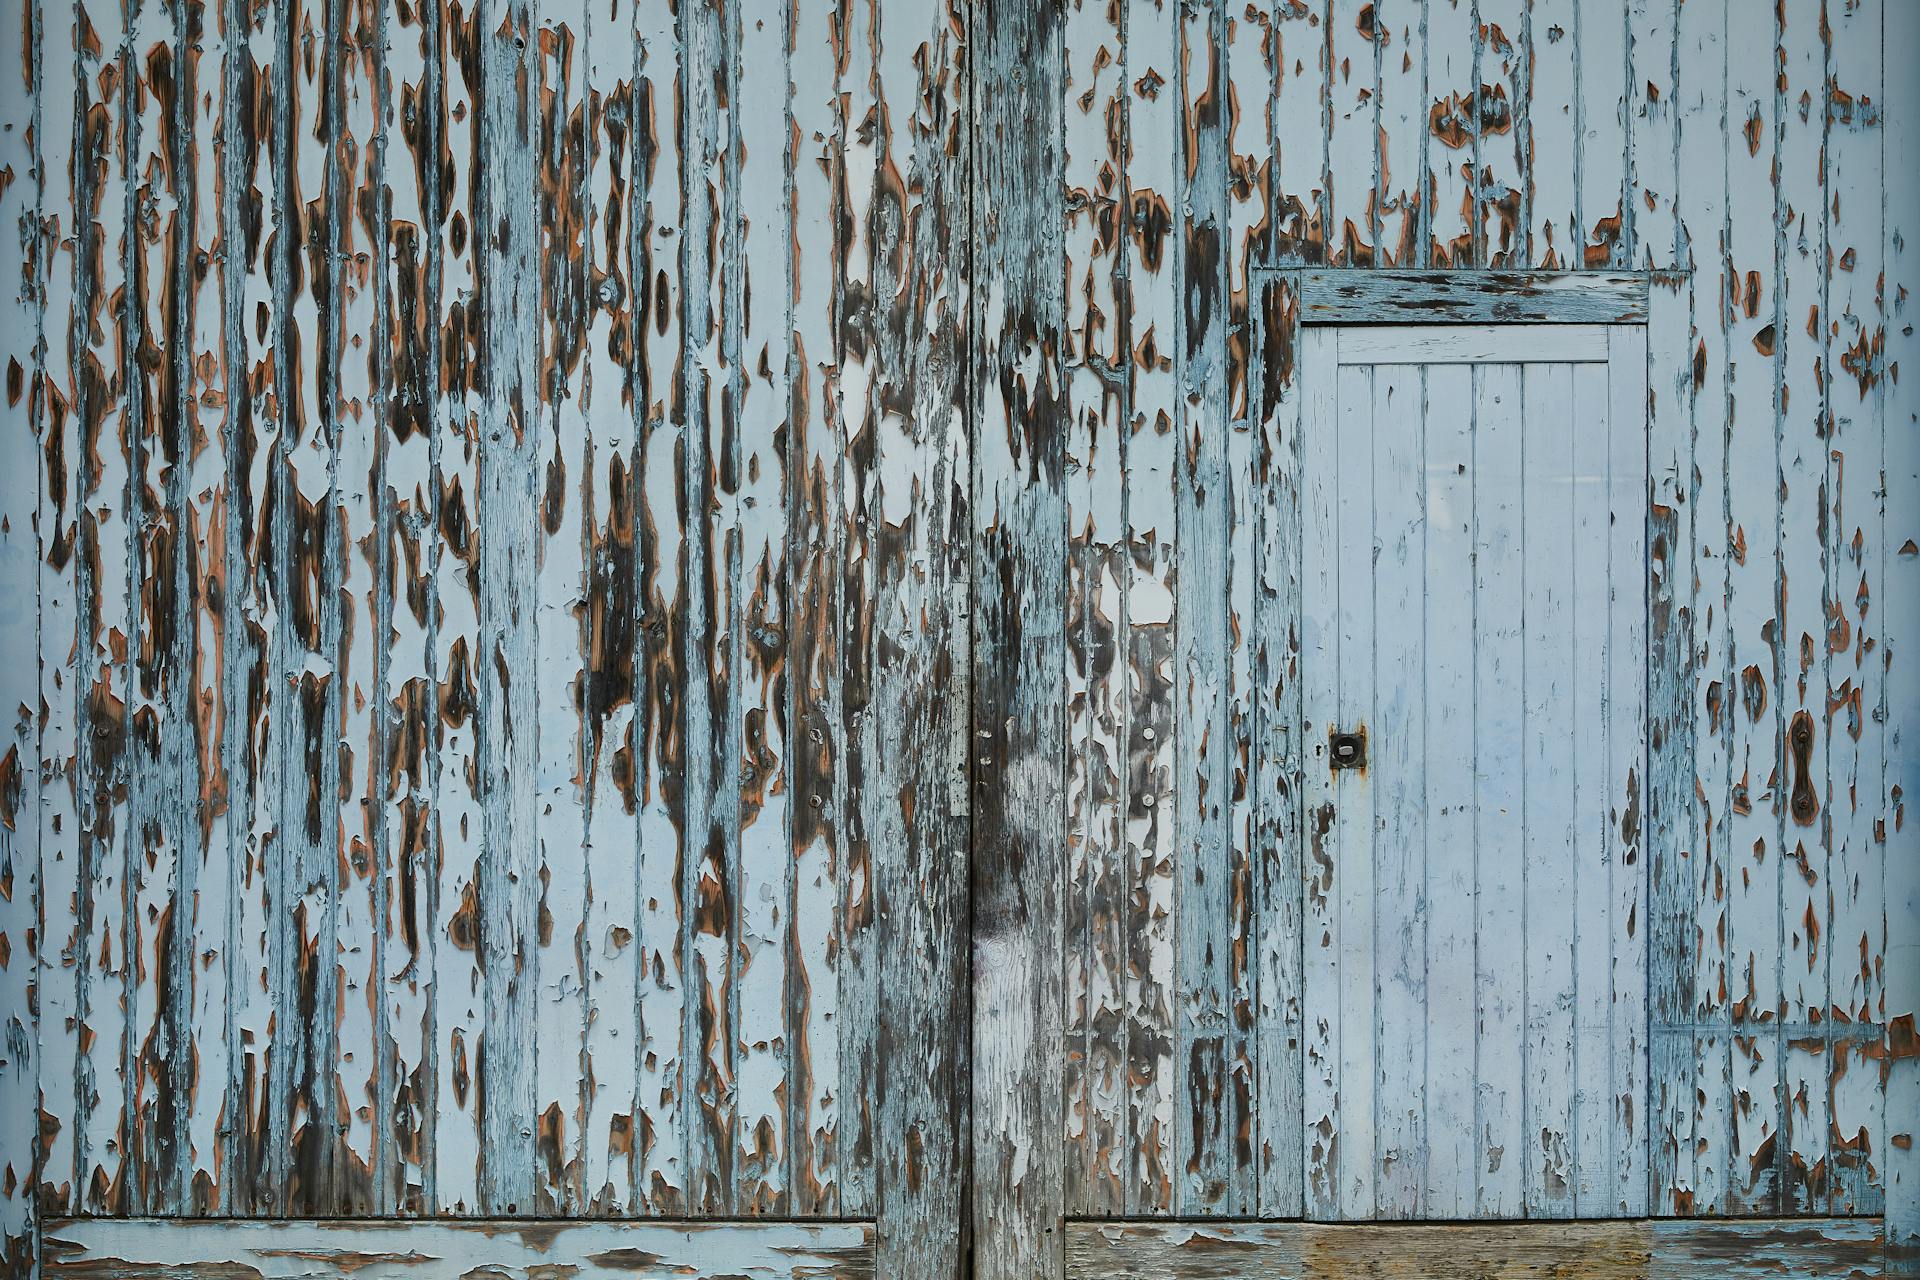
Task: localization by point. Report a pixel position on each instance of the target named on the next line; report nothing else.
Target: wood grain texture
(286, 1250)
(1666, 1250)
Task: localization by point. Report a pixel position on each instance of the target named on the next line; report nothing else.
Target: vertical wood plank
(1453, 130)
(764, 403)
(1600, 125)
(1246, 73)
(1403, 132)
(1753, 928)
(1600, 943)
(1703, 1139)
(1650, 123)
(1277, 777)
(251, 183)
(710, 500)
(1901, 600)
(1212, 1059)
(1549, 137)
(563, 1062)
(1505, 1148)
(405, 723)
(1562, 600)
(1856, 427)
(1356, 800)
(358, 424)
(1299, 155)
(458, 983)
(1454, 1158)
(916, 810)
(202, 981)
(1018, 580)
(1094, 900)
(1152, 450)
(1397, 732)
(1667, 96)
(60, 174)
(507, 502)
(611, 405)
(1625, 1189)
(817, 546)
(26, 421)
(1354, 38)
(1501, 173)
(855, 177)
(101, 672)
(305, 562)
(662, 202)
(155, 825)
(1246, 243)
(1800, 652)
(1319, 711)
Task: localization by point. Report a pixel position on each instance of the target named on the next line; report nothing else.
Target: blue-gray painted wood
(306, 1250)
(429, 797)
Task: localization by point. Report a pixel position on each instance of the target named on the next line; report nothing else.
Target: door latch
(1347, 749)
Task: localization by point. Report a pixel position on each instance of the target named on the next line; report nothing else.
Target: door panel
(1473, 555)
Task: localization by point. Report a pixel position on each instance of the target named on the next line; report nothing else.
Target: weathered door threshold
(1631, 1249)
(496, 1249)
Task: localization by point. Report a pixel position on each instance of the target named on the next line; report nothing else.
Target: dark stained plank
(1018, 584)
(914, 793)
(1465, 297)
(507, 499)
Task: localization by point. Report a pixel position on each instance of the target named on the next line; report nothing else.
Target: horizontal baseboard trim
(497, 1249)
(1630, 1249)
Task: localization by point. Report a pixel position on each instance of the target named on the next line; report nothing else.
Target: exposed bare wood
(1659, 1250)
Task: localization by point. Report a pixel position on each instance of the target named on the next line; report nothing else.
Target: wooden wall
(481, 516)
(511, 513)
(1753, 159)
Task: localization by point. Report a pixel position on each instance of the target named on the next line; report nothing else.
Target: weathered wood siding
(511, 507)
(482, 568)
(1746, 156)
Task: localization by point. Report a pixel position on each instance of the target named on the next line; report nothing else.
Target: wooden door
(1473, 567)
